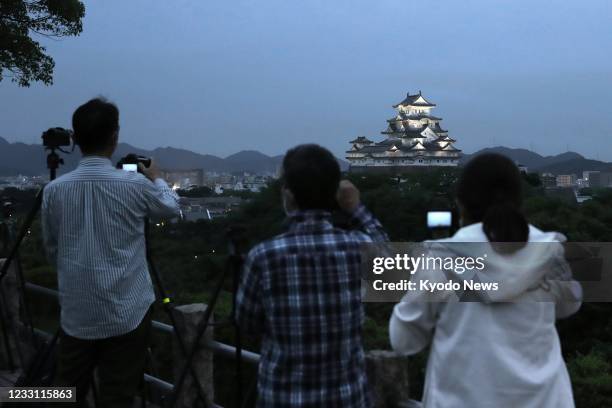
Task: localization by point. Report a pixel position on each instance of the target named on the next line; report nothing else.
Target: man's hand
(348, 196)
(152, 172)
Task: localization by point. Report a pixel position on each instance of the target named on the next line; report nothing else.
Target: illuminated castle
(414, 139)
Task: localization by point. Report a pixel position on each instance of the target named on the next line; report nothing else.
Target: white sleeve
(414, 318)
(161, 200)
(411, 326)
(561, 286)
(567, 296)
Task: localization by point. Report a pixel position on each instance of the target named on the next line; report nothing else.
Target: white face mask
(288, 201)
(285, 205)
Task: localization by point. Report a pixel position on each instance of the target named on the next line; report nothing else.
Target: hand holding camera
(151, 172)
(348, 197)
(141, 164)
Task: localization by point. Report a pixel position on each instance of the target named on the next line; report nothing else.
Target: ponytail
(504, 222)
(490, 191)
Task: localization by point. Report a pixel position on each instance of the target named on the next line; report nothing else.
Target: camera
(56, 137)
(130, 162)
(439, 219)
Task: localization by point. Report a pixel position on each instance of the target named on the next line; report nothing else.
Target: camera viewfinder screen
(130, 167)
(439, 219)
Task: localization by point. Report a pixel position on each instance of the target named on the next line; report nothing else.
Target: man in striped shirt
(93, 227)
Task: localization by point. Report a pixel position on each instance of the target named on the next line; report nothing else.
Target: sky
(220, 76)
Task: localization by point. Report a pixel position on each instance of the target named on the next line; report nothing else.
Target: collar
(307, 219)
(471, 233)
(95, 161)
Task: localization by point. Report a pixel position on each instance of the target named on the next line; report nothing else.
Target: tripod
(8, 228)
(236, 247)
(53, 162)
(168, 306)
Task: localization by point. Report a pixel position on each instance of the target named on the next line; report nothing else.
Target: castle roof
(438, 129)
(408, 131)
(415, 100)
(421, 116)
(414, 132)
(450, 148)
(362, 139)
(445, 138)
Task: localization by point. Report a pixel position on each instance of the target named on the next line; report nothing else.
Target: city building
(246, 182)
(586, 176)
(566, 180)
(582, 183)
(183, 178)
(413, 139)
(208, 208)
(23, 182)
(549, 180)
(600, 179)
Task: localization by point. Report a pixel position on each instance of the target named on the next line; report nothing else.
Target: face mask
(285, 205)
(288, 203)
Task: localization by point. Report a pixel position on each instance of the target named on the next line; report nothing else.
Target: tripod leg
(194, 348)
(250, 395)
(188, 361)
(143, 394)
(22, 233)
(236, 262)
(5, 338)
(168, 309)
(24, 303)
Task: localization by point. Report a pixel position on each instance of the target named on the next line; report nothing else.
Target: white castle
(414, 139)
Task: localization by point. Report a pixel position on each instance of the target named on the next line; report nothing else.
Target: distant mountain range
(28, 159)
(564, 163)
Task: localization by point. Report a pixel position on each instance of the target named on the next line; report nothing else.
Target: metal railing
(216, 347)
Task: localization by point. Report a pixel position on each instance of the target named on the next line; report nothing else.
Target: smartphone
(439, 219)
(130, 167)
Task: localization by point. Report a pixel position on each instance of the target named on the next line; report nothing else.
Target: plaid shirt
(302, 291)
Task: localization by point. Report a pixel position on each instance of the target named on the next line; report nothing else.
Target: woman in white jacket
(502, 351)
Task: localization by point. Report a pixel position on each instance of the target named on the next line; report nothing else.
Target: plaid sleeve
(249, 310)
(367, 223)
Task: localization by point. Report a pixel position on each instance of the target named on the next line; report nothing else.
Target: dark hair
(94, 124)
(490, 191)
(312, 174)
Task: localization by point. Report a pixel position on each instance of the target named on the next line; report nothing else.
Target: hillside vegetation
(191, 257)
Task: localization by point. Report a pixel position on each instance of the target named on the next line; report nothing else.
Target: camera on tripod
(56, 137)
(130, 162)
(8, 208)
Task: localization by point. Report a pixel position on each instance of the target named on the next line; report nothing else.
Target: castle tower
(414, 139)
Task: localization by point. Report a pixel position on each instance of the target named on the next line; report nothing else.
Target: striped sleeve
(49, 228)
(161, 200)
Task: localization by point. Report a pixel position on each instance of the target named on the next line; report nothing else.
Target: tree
(21, 57)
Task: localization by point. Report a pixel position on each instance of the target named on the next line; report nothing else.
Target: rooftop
(415, 100)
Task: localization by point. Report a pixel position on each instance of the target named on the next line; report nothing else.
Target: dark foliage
(191, 257)
(21, 57)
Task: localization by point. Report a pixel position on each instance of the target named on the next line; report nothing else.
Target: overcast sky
(218, 76)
